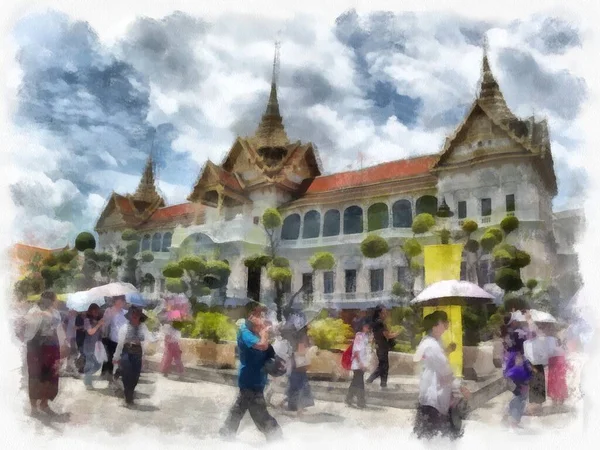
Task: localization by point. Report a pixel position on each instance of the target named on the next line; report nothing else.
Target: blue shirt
(252, 361)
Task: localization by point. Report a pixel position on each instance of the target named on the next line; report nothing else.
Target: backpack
(347, 357)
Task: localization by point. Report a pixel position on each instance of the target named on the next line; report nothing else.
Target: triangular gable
(478, 110)
(111, 209)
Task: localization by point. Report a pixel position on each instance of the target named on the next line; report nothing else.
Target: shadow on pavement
(321, 418)
(144, 408)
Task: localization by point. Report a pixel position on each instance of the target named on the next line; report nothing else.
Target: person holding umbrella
(114, 320)
(437, 382)
(93, 323)
(128, 354)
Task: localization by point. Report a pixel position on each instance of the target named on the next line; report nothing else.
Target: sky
(92, 104)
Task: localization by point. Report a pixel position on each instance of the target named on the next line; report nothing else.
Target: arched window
(378, 217)
(156, 241)
(353, 220)
(312, 225)
(146, 243)
(290, 230)
(166, 242)
(331, 223)
(402, 214)
(427, 204)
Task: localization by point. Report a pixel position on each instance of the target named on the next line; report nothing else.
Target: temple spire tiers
(490, 96)
(146, 191)
(270, 137)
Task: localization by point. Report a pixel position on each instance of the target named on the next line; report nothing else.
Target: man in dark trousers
(254, 351)
(384, 340)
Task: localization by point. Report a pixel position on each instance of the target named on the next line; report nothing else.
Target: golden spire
(490, 96)
(146, 191)
(270, 132)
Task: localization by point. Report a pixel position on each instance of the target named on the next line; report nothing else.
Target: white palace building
(493, 165)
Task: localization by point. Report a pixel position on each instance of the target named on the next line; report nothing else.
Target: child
(361, 356)
(172, 350)
(519, 371)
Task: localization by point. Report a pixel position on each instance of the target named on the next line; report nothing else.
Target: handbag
(100, 353)
(301, 360)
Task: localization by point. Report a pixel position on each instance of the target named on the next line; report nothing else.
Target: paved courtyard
(197, 409)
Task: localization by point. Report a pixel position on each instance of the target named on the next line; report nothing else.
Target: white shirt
(122, 338)
(362, 347)
(437, 378)
(116, 322)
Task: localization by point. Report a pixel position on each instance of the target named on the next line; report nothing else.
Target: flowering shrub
(329, 333)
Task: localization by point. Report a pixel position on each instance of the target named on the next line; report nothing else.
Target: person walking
(254, 351)
(128, 354)
(299, 395)
(437, 382)
(172, 350)
(361, 358)
(45, 338)
(114, 320)
(384, 341)
(92, 325)
(519, 371)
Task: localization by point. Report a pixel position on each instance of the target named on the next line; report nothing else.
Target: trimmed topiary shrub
(412, 248)
(509, 224)
(508, 279)
(271, 219)
(470, 226)
(422, 223)
(172, 270)
(322, 261)
(85, 241)
(374, 246)
(257, 261)
(192, 263)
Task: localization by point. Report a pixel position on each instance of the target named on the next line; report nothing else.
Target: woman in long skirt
(45, 338)
(129, 351)
(299, 395)
(93, 327)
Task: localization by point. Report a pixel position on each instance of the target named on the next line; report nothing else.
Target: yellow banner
(453, 334)
(442, 262)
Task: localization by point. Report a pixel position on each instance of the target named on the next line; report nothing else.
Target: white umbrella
(81, 301)
(536, 316)
(111, 290)
(448, 289)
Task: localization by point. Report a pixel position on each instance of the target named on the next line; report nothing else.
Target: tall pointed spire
(490, 95)
(270, 132)
(146, 191)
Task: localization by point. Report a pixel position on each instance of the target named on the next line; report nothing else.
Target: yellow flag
(442, 262)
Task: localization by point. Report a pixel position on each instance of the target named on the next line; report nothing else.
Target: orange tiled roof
(26, 252)
(171, 212)
(123, 204)
(183, 214)
(381, 172)
(229, 179)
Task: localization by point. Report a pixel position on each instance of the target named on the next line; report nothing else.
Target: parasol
(81, 301)
(451, 292)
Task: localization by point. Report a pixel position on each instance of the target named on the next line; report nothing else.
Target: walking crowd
(112, 341)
